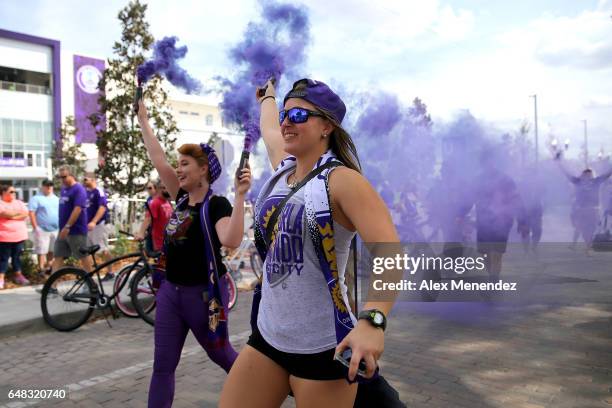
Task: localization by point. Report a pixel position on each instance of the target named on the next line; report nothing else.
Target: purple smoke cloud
(165, 63)
(380, 116)
(274, 47)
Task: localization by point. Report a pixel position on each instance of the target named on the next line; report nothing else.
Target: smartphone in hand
(345, 359)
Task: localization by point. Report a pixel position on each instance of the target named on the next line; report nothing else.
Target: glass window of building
(33, 133)
(209, 120)
(26, 143)
(21, 80)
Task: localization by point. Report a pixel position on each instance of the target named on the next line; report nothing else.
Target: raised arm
(269, 126)
(563, 168)
(605, 175)
(156, 153)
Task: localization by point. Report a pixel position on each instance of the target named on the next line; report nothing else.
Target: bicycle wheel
(68, 299)
(123, 289)
(232, 290)
(256, 264)
(143, 294)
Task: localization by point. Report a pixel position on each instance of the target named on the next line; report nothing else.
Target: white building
(30, 108)
(197, 118)
(38, 89)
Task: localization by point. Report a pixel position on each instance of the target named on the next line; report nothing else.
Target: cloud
(583, 41)
(604, 5)
(387, 28)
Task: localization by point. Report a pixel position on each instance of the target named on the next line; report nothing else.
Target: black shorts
(318, 366)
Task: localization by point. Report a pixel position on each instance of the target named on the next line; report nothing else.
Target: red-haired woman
(190, 297)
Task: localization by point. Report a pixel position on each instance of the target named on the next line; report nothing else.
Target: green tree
(66, 151)
(124, 166)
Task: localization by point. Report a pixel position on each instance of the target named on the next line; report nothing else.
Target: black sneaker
(108, 276)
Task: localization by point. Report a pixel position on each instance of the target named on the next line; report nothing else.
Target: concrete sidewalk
(20, 310)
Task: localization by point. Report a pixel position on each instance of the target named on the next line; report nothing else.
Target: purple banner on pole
(87, 74)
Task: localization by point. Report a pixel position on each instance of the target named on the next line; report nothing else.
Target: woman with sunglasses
(296, 330)
(190, 297)
(13, 233)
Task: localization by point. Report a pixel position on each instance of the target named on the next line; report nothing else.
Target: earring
(200, 184)
(324, 135)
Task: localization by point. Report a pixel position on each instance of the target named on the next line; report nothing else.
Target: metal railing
(29, 88)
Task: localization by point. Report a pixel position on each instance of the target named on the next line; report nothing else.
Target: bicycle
(76, 293)
(236, 261)
(143, 288)
(123, 284)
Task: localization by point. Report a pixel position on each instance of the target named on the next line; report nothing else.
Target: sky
(487, 57)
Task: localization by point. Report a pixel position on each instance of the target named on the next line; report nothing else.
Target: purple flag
(87, 74)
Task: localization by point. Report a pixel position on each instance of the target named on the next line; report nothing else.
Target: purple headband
(214, 167)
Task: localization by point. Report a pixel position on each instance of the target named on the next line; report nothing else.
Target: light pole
(535, 125)
(586, 145)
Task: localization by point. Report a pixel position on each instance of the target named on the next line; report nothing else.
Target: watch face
(378, 318)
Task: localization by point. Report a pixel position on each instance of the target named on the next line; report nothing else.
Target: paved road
(557, 354)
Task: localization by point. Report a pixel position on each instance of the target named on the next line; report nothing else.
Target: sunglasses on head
(297, 115)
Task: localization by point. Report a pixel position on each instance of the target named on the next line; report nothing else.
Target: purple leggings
(180, 308)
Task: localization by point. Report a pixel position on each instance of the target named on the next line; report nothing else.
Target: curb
(38, 325)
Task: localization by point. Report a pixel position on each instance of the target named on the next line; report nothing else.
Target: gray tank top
(296, 314)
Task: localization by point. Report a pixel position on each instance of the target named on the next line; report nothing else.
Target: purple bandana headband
(214, 167)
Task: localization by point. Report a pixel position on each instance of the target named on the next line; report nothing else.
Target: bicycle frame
(97, 268)
(240, 254)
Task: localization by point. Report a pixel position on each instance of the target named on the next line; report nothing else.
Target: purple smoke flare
(251, 130)
(164, 62)
(271, 48)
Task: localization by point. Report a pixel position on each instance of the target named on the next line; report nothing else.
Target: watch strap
(370, 315)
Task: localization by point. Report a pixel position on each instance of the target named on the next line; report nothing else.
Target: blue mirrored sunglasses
(297, 115)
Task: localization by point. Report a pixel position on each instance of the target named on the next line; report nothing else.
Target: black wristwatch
(375, 317)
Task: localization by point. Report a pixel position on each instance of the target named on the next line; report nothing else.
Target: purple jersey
(71, 197)
(96, 198)
(587, 190)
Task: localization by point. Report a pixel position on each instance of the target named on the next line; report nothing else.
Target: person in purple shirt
(97, 216)
(72, 221)
(497, 203)
(585, 210)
